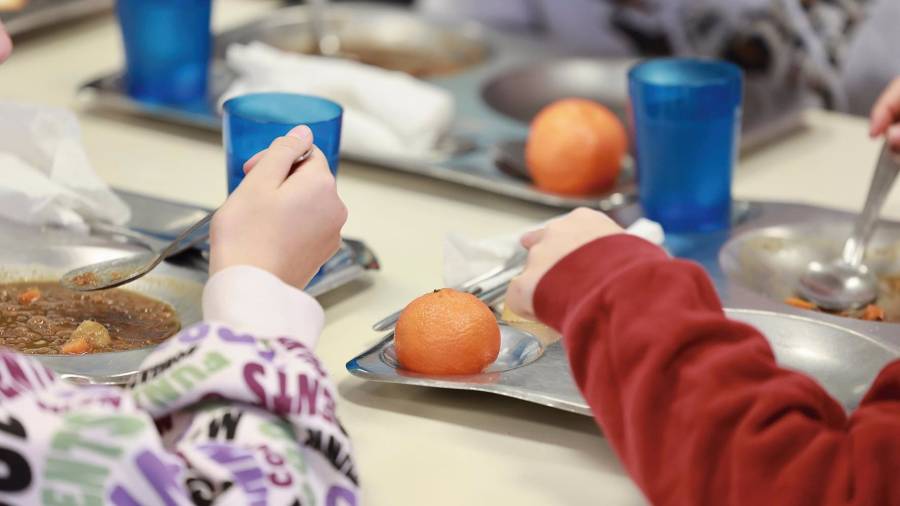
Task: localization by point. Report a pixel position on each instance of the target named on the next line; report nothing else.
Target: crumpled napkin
(464, 259)
(386, 113)
(46, 176)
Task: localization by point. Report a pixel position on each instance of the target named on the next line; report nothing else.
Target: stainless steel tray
(40, 13)
(466, 157)
(503, 79)
(46, 253)
(843, 354)
(159, 221)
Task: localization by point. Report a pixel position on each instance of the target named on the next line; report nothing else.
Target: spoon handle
(882, 182)
(178, 241)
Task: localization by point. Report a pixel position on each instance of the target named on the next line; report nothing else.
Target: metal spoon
(846, 283)
(113, 273)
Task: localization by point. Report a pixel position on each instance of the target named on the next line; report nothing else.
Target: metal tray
(159, 221)
(843, 354)
(30, 253)
(502, 79)
(465, 157)
(40, 13)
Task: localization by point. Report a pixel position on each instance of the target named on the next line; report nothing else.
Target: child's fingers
(533, 237)
(249, 164)
(313, 168)
(885, 110)
(893, 138)
(275, 163)
(5, 43)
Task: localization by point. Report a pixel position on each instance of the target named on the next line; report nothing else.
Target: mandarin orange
(575, 147)
(447, 332)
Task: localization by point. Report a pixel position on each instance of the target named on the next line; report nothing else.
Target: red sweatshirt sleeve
(693, 402)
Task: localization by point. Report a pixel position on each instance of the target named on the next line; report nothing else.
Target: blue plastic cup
(167, 49)
(251, 122)
(687, 122)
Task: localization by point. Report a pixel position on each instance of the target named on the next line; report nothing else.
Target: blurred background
(838, 51)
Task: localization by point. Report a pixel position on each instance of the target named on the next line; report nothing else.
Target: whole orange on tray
(447, 332)
(575, 147)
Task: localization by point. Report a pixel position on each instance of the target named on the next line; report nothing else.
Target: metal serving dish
(465, 57)
(41, 13)
(384, 37)
(763, 250)
(44, 256)
(771, 260)
(819, 349)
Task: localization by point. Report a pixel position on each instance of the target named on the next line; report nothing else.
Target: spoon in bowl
(846, 283)
(117, 272)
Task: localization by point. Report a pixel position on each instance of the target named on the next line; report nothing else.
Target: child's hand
(5, 43)
(288, 224)
(551, 244)
(885, 114)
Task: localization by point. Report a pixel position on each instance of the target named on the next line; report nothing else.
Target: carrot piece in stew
(800, 303)
(29, 296)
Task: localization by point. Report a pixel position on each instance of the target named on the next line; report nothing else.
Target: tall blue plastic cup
(167, 49)
(687, 121)
(251, 122)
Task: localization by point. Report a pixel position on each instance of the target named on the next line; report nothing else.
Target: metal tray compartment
(843, 354)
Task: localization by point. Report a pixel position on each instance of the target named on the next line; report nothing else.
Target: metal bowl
(769, 261)
(181, 288)
(392, 38)
(521, 92)
(843, 361)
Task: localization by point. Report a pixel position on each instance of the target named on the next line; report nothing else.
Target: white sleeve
(252, 299)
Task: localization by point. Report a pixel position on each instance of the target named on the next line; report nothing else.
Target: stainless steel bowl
(843, 361)
(523, 91)
(770, 260)
(181, 288)
(396, 39)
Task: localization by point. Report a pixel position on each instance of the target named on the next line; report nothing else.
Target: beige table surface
(416, 446)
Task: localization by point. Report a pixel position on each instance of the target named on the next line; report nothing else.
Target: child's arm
(235, 410)
(694, 403)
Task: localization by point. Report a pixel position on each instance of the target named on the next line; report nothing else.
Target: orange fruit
(575, 147)
(447, 332)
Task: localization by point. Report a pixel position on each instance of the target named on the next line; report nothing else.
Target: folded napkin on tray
(47, 178)
(386, 113)
(465, 259)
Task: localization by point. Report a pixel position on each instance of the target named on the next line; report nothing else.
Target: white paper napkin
(386, 113)
(464, 259)
(46, 176)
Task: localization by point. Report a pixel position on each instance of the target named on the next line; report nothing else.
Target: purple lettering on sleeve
(194, 334)
(162, 477)
(121, 497)
(338, 493)
(229, 336)
(251, 371)
(308, 392)
(244, 469)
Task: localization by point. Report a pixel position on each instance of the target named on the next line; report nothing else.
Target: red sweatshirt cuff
(585, 268)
